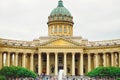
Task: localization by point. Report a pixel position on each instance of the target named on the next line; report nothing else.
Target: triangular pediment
(60, 42)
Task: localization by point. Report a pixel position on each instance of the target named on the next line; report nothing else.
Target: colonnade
(72, 61)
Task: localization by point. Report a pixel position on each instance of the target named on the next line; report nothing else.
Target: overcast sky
(27, 19)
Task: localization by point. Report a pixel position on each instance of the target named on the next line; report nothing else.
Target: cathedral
(60, 49)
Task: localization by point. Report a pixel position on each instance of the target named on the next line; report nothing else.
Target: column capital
(47, 53)
(73, 53)
(65, 53)
(32, 53)
(81, 52)
(8, 53)
(88, 54)
(39, 53)
(24, 53)
(55, 52)
(96, 53)
(104, 53)
(16, 53)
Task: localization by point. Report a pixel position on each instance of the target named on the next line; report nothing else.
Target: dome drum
(60, 18)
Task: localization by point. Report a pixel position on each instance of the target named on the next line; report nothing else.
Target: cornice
(61, 47)
(102, 47)
(18, 47)
(60, 21)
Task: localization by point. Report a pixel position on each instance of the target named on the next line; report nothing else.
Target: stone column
(89, 62)
(107, 60)
(1, 60)
(58, 29)
(67, 29)
(49, 30)
(65, 64)
(24, 60)
(104, 59)
(48, 65)
(16, 59)
(56, 63)
(13, 59)
(32, 62)
(112, 59)
(96, 60)
(8, 59)
(62, 29)
(39, 64)
(81, 64)
(119, 58)
(116, 57)
(73, 63)
(53, 29)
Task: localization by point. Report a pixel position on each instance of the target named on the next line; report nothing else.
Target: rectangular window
(68, 29)
(52, 29)
(65, 29)
(60, 29)
(55, 28)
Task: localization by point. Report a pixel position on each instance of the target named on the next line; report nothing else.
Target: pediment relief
(60, 42)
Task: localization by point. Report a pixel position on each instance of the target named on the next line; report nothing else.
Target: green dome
(60, 10)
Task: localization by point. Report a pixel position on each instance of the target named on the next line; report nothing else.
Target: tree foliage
(2, 77)
(13, 71)
(104, 71)
(118, 79)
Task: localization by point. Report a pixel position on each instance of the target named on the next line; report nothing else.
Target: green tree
(13, 72)
(2, 77)
(104, 71)
(118, 79)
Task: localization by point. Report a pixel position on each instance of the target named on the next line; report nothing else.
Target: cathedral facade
(60, 49)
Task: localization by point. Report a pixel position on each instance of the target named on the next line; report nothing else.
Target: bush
(104, 71)
(13, 71)
(2, 77)
(118, 79)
